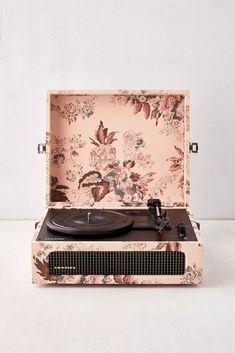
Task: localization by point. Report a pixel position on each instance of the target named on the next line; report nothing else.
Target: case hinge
(41, 148)
(193, 147)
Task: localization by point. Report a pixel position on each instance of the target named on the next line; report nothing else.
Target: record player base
(57, 262)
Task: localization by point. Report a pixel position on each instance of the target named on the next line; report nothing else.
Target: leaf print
(117, 278)
(61, 187)
(110, 137)
(181, 153)
(128, 164)
(100, 191)
(101, 134)
(102, 137)
(57, 193)
(153, 114)
(94, 142)
(169, 108)
(146, 109)
(137, 107)
(105, 131)
(43, 270)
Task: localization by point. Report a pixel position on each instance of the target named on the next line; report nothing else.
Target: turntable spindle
(88, 216)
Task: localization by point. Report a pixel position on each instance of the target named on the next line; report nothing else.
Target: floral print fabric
(118, 149)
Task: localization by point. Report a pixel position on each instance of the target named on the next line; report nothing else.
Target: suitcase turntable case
(112, 151)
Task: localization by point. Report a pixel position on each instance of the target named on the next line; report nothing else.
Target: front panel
(108, 263)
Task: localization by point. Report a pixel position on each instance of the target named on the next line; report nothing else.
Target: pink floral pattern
(177, 169)
(67, 149)
(134, 148)
(72, 110)
(130, 160)
(140, 150)
(193, 275)
(103, 155)
(110, 175)
(169, 108)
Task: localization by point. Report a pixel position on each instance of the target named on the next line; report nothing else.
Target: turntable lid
(117, 148)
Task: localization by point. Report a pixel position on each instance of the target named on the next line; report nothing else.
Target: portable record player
(117, 191)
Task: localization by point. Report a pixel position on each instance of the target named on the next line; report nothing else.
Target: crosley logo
(64, 267)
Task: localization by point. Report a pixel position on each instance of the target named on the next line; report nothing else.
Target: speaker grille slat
(116, 263)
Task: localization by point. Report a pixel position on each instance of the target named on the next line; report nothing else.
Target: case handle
(41, 148)
(193, 147)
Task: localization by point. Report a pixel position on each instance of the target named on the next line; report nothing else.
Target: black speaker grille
(116, 263)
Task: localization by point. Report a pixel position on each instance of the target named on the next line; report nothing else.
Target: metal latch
(193, 147)
(41, 148)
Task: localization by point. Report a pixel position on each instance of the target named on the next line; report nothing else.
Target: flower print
(41, 253)
(139, 142)
(70, 175)
(88, 108)
(87, 111)
(180, 109)
(168, 108)
(73, 154)
(128, 185)
(144, 160)
(143, 183)
(72, 110)
(160, 185)
(142, 99)
(134, 176)
(155, 100)
(129, 137)
(192, 275)
(177, 161)
(92, 279)
(133, 148)
(103, 155)
(120, 99)
(58, 159)
(76, 141)
(103, 158)
(65, 149)
(167, 103)
(57, 141)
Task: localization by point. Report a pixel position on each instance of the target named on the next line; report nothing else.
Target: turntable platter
(90, 222)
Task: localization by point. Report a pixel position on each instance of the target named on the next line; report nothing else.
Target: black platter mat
(90, 222)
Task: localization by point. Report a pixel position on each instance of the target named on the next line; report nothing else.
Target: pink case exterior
(117, 149)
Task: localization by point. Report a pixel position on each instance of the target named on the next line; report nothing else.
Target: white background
(61, 44)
